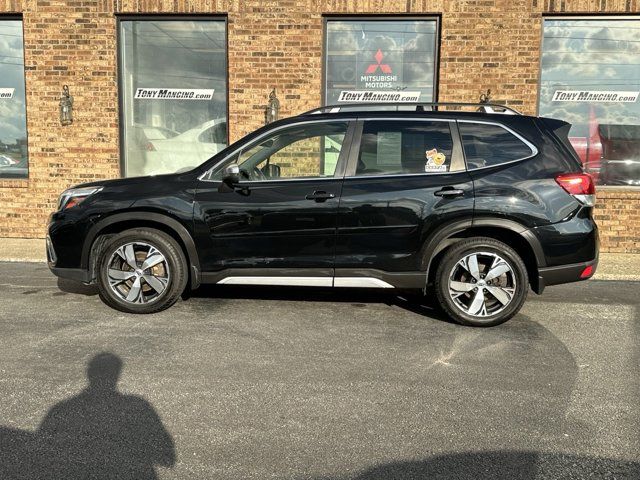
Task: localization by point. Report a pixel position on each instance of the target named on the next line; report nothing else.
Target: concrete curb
(612, 266)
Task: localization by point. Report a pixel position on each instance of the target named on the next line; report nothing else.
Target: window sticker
(435, 161)
(174, 93)
(7, 92)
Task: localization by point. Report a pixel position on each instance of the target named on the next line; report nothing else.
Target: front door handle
(320, 196)
(449, 192)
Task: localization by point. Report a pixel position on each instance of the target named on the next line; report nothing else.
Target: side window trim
(531, 146)
(238, 151)
(457, 154)
(457, 157)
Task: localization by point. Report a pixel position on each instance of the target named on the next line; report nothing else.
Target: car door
(280, 219)
(406, 178)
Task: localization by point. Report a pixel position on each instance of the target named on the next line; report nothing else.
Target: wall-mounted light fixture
(66, 107)
(485, 97)
(272, 110)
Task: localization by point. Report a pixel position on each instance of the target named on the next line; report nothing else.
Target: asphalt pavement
(302, 384)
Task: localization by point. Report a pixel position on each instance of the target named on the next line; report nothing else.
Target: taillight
(580, 185)
(149, 147)
(587, 272)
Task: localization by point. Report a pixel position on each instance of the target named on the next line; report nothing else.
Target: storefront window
(174, 92)
(380, 61)
(13, 116)
(590, 77)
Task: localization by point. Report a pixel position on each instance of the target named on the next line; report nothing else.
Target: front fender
(144, 218)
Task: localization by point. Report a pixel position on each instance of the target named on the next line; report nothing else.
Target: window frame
(532, 147)
(381, 18)
(169, 17)
(21, 180)
(340, 166)
(457, 152)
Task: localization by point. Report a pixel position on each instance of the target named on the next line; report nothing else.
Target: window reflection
(366, 59)
(13, 118)
(404, 147)
(591, 78)
(174, 87)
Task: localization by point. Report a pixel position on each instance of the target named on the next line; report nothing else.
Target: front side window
(13, 116)
(382, 60)
(590, 77)
(396, 147)
(486, 145)
(174, 91)
(304, 151)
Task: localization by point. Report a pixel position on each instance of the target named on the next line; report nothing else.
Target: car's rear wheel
(141, 271)
(481, 282)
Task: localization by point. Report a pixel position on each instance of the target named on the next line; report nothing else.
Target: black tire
(174, 271)
(482, 246)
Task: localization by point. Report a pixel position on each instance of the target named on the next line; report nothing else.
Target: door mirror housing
(231, 175)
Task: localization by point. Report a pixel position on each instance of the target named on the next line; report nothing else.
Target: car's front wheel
(141, 271)
(481, 282)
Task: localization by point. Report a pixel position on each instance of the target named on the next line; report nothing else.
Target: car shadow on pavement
(99, 433)
(413, 302)
(357, 297)
(499, 465)
(71, 286)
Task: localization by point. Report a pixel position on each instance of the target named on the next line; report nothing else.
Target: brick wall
(272, 43)
(618, 216)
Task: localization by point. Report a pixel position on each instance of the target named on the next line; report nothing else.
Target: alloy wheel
(138, 272)
(482, 284)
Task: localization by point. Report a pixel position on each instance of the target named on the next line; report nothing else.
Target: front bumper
(575, 272)
(76, 274)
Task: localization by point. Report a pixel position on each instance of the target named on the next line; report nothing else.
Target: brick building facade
(483, 44)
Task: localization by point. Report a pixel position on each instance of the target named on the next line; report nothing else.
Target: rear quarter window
(486, 145)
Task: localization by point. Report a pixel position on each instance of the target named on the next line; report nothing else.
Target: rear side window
(404, 147)
(486, 145)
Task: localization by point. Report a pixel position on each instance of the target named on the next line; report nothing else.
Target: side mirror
(231, 174)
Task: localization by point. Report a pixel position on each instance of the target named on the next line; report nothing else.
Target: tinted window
(304, 151)
(13, 119)
(486, 145)
(403, 147)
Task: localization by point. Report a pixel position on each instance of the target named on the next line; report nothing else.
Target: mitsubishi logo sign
(373, 68)
(379, 87)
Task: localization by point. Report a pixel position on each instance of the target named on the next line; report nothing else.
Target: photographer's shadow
(99, 433)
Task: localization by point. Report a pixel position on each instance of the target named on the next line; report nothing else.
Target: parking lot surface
(300, 384)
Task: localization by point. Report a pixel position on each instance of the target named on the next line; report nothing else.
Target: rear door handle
(320, 196)
(449, 192)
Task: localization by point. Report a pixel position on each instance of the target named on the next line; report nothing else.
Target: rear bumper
(574, 272)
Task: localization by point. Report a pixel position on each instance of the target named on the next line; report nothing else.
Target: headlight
(75, 196)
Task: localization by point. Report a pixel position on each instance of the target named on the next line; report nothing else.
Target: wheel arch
(119, 222)
(522, 240)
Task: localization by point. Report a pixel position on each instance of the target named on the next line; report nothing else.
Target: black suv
(470, 206)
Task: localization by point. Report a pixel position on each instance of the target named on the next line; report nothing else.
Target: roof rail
(419, 107)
